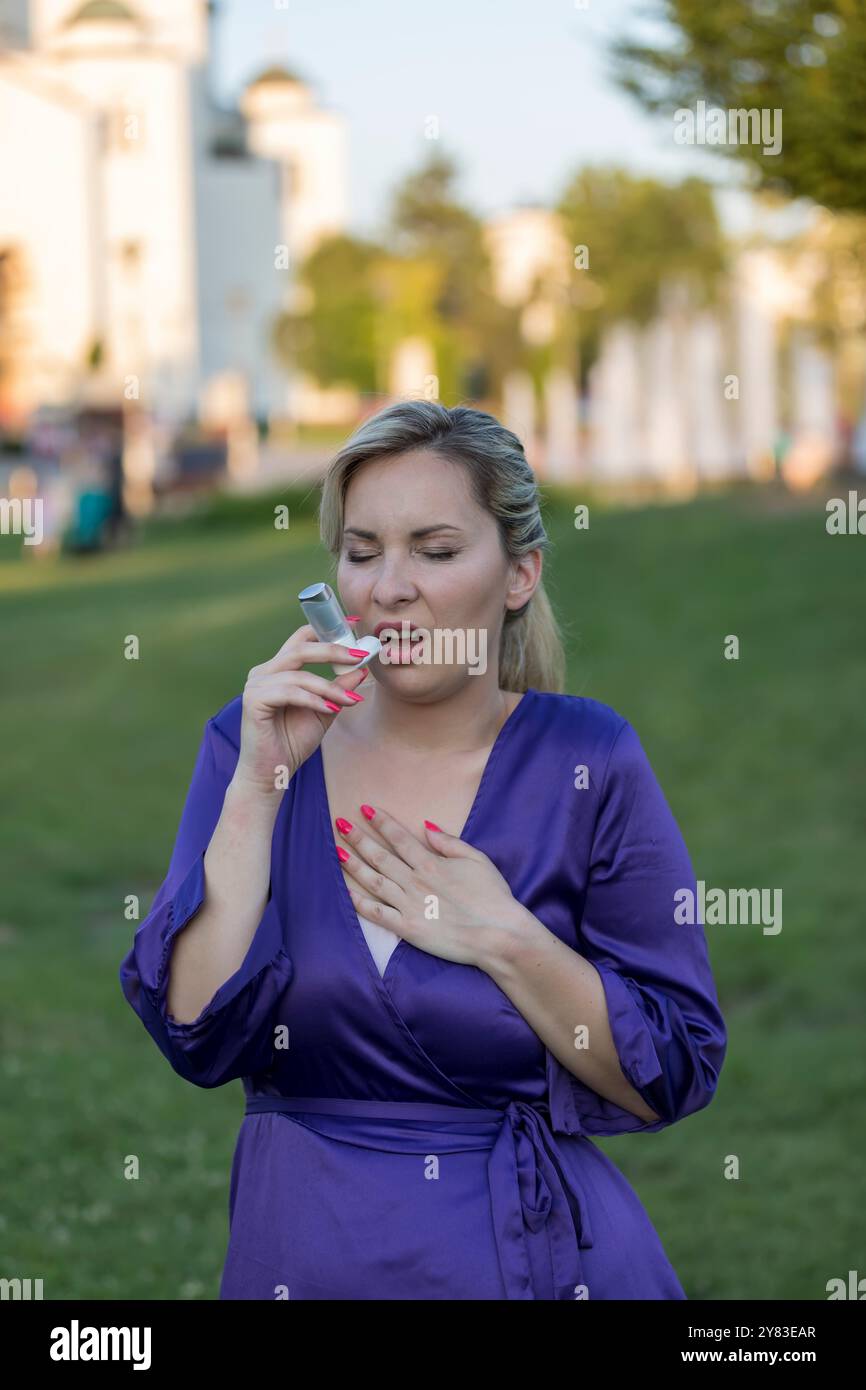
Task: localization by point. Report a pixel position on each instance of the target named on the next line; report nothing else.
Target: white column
(756, 367)
(518, 406)
(708, 410)
(413, 370)
(665, 388)
(562, 452)
(815, 440)
(615, 410)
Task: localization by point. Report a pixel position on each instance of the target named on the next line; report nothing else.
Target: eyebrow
(414, 535)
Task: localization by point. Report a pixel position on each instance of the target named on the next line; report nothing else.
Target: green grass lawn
(761, 759)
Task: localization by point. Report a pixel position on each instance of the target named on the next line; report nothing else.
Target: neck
(464, 721)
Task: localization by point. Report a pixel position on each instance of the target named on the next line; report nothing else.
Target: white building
(148, 236)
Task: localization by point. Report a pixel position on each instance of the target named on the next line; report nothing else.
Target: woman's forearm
(558, 991)
(237, 865)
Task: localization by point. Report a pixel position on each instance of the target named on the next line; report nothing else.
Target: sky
(521, 91)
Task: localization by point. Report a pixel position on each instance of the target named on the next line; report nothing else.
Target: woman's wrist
(504, 946)
(247, 796)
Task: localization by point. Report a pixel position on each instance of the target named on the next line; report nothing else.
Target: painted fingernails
(331, 705)
(343, 825)
(353, 617)
(431, 825)
(353, 695)
(368, 812)
(358, 651)
(342, 854)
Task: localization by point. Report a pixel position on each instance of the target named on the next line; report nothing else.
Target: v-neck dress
(406, 1134)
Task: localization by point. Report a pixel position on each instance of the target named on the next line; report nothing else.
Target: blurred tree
(332, 332)
(644, 240)
(356, 301)
(806, 58)
(475, 338)
(427, 220)
(406, 292)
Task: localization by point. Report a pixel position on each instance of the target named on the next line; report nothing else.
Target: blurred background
(228, 233)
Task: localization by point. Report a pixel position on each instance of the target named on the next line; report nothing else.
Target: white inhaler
(326, 617)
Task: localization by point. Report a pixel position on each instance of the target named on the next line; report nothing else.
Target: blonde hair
(531, 652)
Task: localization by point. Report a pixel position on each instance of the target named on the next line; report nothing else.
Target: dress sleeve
(661, 997)
(233, 1034)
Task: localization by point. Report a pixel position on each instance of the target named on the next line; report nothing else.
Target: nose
(392, 585)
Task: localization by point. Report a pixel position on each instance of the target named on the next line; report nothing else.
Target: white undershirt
(380, 940)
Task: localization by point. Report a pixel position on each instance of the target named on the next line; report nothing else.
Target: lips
(396, 623)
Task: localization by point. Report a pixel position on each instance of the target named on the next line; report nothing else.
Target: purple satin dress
(409, 1136)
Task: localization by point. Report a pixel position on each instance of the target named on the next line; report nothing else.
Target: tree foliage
(806, 58)
(644, 240)
(333, 336)
(476, 338)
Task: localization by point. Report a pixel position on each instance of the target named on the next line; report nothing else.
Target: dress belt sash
(529, 1190)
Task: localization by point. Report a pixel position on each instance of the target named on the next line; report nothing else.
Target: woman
(431, 1023)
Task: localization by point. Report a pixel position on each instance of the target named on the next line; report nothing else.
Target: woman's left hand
(445, 897)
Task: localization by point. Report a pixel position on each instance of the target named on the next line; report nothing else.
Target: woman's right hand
(285, 716)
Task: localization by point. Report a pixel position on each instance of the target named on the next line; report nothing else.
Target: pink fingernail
(353, 617)
(368, 812)
(431, 825)
(358, 651)
(331, 705)
(342, 853)
(343, 825)
(353, 695)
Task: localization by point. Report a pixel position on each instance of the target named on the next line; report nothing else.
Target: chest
(357, 1029)
(411, 791)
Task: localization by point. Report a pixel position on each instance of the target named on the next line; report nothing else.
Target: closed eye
(431, 555)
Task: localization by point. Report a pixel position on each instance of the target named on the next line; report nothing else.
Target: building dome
(103, 9)
(277, 76)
